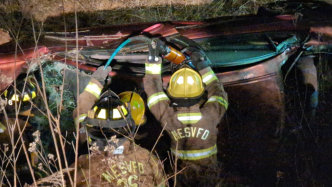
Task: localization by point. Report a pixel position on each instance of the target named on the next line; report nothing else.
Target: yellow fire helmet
(185, 83)
(137, 106)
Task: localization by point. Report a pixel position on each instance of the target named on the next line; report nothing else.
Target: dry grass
(41, 9)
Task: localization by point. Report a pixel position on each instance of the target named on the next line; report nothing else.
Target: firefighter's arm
(158, 102)
(217, 102)
(89, 87)
(87, 99)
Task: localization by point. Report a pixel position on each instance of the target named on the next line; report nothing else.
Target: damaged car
(260, 59)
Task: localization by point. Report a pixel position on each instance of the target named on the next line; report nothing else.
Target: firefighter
(189, 119)
(16, 101)
(16, 105)
(89, 87)
(115, 160)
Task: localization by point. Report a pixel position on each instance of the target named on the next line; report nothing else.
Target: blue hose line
(116, 52)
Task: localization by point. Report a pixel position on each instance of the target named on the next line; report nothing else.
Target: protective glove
(199, 59)
(100, 74)
(162, 48)
(157, 48)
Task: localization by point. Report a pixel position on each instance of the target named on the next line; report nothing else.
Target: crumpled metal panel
(12, 65)
(109, 36)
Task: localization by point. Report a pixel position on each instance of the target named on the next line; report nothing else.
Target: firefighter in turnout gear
(15, 111)
(191, 123)
(89, 87)
(20, 98)
(115, 160)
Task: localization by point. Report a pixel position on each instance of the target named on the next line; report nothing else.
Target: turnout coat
(193, 130)
(129, 165)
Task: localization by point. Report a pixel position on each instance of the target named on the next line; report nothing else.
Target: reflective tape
(124, 110)
(33, 94)
(189, 118)
(218, 99)
(102, 114)
(26, 97)
(116, 114)
(155, 98)
(152, 68)
(209, 77)
(94, 89)
(195, 154)
(15, 97)
(81, 118)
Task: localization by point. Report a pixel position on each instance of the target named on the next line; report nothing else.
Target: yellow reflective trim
(209, 77)
(81, 118)
(154, 69)
(5, 93)
(33, 94)
(94, 89)
(124, 110)
(207, 74)
(195, 154)
(102, 114)
(218, 99)
(189, 118)
(15, 97)
(95, 108)
(116, 114)
(26, 97)
(155, 98)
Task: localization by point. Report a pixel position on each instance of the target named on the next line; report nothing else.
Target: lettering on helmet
(190, 132)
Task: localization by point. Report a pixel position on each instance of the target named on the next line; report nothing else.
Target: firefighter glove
(199, 59)
(157, 48)
(100, 74)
